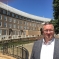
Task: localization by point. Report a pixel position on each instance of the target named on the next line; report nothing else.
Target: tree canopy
(56, 15)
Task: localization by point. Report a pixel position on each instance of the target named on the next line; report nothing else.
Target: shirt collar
(48, 43)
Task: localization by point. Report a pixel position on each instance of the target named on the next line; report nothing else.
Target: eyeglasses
(48, 30)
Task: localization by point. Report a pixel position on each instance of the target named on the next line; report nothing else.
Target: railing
(8, 37)
(19, 52)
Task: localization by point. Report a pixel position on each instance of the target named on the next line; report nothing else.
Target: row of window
(26, 23)
(5, 32)
(17, 27)
(8, 13)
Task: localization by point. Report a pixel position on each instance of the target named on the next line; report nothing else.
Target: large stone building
(18, 23)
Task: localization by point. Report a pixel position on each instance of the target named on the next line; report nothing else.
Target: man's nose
(48, 31)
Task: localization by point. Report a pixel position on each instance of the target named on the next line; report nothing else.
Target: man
(48, 47)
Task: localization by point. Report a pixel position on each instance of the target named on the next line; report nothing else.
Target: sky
(42, 8)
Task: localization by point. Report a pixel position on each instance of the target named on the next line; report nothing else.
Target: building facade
(18, 23)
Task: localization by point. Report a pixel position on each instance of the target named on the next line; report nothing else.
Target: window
(25, 23)
(18, 27)
(0, 32)
(17, 16)
(25, 27)
(8, 13)
(10, 19)
(38, 25)
(0, 23)
(21, 27)
(17, 32)
(5, 24)
(30, 24)
(5, 32)
(0, 16)
(14, 20)
(25, 18)
(18, 21)
(10, 25)
(13, 14)
(4, 11)
(24, 33)
(5, 18)
(21, 17)
(0, 10)
(33, 24)
(14, 32)
(14, 26)
(33, 28)
(28, 19)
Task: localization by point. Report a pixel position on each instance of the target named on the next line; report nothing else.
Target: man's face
(48, 31)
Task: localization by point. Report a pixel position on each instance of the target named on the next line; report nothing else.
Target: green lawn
(17, 42)
(20, 42)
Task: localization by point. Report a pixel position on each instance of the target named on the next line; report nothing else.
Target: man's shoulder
(56, 40)
(38, 41)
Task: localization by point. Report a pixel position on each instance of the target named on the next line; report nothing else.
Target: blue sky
(42, 8)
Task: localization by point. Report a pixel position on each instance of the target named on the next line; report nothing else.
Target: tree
(56, 15)
(56, 9)
(56, 26)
